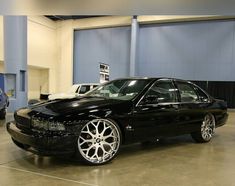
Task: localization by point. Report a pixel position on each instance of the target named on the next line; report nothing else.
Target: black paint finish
(138, 121)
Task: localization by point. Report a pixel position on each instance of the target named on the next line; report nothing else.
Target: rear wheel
(206, 131)
(99, 141)
(3, 113)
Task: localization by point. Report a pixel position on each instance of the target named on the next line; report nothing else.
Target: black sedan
(119, 112)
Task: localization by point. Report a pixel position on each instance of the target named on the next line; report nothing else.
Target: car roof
(153, 78)
(137, 78)
(79, 84)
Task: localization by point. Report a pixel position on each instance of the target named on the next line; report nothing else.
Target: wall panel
(104, 45)
(193, 50)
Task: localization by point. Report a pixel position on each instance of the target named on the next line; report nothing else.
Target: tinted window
(84, 89)
(187, 92)
(202, 96)
(162, 92)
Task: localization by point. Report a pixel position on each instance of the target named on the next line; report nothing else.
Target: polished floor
(175, 161)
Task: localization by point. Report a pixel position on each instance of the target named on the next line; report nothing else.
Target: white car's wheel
(99, 141)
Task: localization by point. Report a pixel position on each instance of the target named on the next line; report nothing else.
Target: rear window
(202, 96)
(84, 89)
(187, 92)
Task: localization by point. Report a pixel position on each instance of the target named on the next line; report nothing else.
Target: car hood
(72, 106)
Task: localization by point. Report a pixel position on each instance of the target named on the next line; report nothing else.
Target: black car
(4, 103)
(119, 112)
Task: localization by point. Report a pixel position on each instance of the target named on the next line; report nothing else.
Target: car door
(191, 109)
(156, 113)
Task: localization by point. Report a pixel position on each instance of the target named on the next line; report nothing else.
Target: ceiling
(63, 17)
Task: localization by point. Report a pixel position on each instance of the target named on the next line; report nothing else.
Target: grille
(22, 122)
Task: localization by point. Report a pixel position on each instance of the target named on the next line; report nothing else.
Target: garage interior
(65, 50)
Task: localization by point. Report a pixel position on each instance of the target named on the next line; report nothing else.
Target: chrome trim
(171, 103)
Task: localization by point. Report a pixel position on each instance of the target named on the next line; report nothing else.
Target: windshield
(124, 89)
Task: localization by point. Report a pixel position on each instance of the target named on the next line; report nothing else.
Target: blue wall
(105, 45)
(15, 60)
(193, 50)
(2, 82)
(188, 50)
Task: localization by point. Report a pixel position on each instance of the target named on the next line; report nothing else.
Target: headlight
(39, 123)
(47, 125)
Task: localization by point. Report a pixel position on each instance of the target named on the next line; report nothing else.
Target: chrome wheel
(99, 141)
(208, 127)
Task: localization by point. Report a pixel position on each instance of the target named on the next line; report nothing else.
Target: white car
(75, 90)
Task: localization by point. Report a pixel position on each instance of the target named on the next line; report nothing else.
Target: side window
(187, 92)
(161, 92)
(84, 89)
(202, 96)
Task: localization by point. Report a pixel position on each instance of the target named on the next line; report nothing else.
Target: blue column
(15, 60)
(134, 43)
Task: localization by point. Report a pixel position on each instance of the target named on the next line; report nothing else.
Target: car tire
(206, 131)
(3, 113)
(99, 141)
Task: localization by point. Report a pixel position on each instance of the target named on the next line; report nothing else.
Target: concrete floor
(175, 161)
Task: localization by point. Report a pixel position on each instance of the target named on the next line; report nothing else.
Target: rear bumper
(222, 121)
(42, 144)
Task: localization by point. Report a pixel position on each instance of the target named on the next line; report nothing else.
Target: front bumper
(46, 145)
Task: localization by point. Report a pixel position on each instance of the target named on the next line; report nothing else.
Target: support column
(15, 60)
(134, 43)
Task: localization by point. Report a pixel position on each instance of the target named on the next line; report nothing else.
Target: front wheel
(206, 131)
(99, 141)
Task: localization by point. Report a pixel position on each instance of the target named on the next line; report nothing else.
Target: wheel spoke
(111, 145)
(87, 131)
(95, 153)
(105, 129)
(85, 140)
(111, 135)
